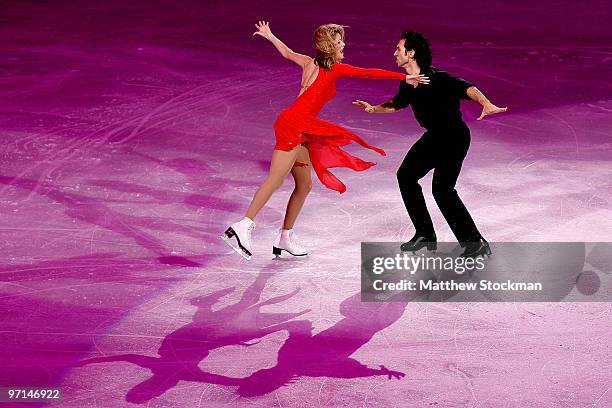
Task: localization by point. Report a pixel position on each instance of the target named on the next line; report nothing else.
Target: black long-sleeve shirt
(435, 105)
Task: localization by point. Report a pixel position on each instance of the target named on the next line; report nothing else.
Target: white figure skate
(286, 242)
(238, 236)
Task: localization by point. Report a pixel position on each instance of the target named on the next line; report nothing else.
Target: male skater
(442, 147)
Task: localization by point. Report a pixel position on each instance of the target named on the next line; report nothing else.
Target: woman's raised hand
(263, 29)
(415, 80)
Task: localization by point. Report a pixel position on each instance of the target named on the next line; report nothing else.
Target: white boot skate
(286, 242)
(238, 236)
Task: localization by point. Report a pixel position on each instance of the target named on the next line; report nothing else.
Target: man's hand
(490, 109)
(364, 105)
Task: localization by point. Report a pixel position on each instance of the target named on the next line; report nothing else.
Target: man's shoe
(476, 249)
(420, 241)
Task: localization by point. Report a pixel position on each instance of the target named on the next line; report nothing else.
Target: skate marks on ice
(53, 310)
(302, 354)
(95, 211)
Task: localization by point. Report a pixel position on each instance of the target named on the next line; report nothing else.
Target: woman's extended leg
(281, 164)
(238, 235)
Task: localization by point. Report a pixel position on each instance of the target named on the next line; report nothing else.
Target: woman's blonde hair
(323, 42)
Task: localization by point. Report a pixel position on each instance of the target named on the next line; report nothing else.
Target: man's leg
(418, 162)
(443, 186)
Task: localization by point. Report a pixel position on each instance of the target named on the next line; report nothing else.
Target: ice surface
(133, 133)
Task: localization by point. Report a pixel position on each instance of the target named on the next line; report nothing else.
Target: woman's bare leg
(303, 185)
(281, 164)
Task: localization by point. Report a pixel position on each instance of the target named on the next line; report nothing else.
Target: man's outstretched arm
(488, 108)
(385, 107)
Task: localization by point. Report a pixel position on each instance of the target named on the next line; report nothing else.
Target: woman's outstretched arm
(345, 70)
(263, 30)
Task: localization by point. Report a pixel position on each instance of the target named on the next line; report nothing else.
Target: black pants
(442, 150)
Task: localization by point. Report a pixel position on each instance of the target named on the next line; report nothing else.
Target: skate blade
(235, 247)
(277, 252)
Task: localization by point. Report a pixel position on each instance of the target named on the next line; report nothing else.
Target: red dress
(299, 123)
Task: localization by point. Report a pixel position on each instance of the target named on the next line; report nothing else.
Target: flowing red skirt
(324, 141)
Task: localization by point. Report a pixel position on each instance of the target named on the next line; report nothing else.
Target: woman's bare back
(309, 75)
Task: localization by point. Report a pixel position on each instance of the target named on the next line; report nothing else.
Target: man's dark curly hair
(422, 50)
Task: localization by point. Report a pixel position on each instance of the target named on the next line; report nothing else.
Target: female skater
(303, 140)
